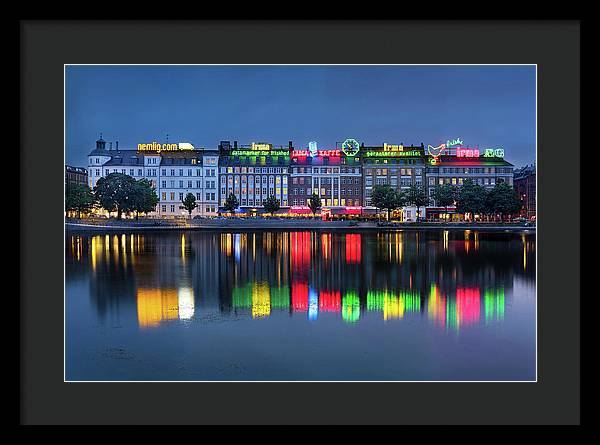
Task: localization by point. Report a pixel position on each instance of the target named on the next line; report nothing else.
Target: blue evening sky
(485, 106)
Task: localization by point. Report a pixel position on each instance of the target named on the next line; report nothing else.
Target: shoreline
(225, 226)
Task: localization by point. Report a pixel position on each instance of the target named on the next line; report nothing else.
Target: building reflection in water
(459, 282)
(156, 305)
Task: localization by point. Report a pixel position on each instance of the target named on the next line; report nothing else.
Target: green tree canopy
(79, 198)
(314, 202)
(271, 204)
(385, 197)
(231, 203)
(444, 195)
(417, 196)
(189, 203)
(114, 191)
(471, 198)
(503, 200)
(142, 197)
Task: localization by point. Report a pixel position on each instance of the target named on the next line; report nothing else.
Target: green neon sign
(393, 154)
(493, 153)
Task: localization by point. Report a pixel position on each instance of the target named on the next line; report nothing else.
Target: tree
(417, 196)
(314, 202)
(142, 197)
(189, 203)
(503, 200)
(444, 195)
(471, 198)
(79, 199)
(231, 203)
(271, 204)
(385, 197)
(114, 191)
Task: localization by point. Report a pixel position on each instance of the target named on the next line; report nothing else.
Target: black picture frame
(47, 45)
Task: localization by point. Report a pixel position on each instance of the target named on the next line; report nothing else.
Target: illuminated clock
(350, 147)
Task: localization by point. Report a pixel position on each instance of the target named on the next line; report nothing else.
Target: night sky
(485, 106)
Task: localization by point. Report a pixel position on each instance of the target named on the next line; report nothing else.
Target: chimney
(362, 145)
(234, 144)
(117, 143)
(290, 145)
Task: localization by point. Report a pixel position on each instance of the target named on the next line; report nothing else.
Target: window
(173, 208)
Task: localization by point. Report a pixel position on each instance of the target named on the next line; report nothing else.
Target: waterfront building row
(343, 177)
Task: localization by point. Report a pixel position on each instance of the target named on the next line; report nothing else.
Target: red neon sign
(467, 152)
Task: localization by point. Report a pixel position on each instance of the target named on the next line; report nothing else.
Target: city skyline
(251, 103)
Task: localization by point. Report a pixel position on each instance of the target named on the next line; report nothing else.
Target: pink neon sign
(467, 152)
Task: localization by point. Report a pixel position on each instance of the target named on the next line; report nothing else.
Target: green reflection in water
(350, 307)
(493, 300)
(280, 297)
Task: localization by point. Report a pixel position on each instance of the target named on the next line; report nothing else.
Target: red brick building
(524, 184)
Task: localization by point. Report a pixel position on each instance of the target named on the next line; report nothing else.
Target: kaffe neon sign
(156, 147)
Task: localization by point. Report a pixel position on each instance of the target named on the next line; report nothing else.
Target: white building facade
(173, 174)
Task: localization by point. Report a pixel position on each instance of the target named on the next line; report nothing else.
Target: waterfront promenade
(280, 224)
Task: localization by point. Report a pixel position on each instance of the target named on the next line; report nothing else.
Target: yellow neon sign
(156, 147)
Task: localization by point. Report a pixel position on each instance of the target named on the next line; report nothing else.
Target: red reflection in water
(330, 301)
(299, 296)
(353, 248)
(300, 251)
(467, 304)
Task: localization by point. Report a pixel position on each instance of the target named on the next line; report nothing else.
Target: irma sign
(156, 147)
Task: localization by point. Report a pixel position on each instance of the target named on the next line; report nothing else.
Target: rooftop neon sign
(467, 152)
(350, 147)
(260, 153)
(261, 146)
(155, 146)
(322, 153)
(454, 142)
(493, 153)
(393, 154)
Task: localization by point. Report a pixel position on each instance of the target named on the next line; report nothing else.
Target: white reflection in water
(185, 297)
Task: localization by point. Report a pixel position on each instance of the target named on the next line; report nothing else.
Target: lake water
(400, 305)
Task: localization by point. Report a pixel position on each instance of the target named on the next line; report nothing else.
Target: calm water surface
(405, 305)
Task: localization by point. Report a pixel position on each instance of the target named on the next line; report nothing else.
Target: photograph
(300, 223)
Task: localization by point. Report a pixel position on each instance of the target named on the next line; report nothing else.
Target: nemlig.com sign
(156, 147)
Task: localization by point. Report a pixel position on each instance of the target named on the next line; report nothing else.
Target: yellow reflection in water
(156, 305)
(261, 300)
(183, 246)
(445, 239)
(94, 252)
